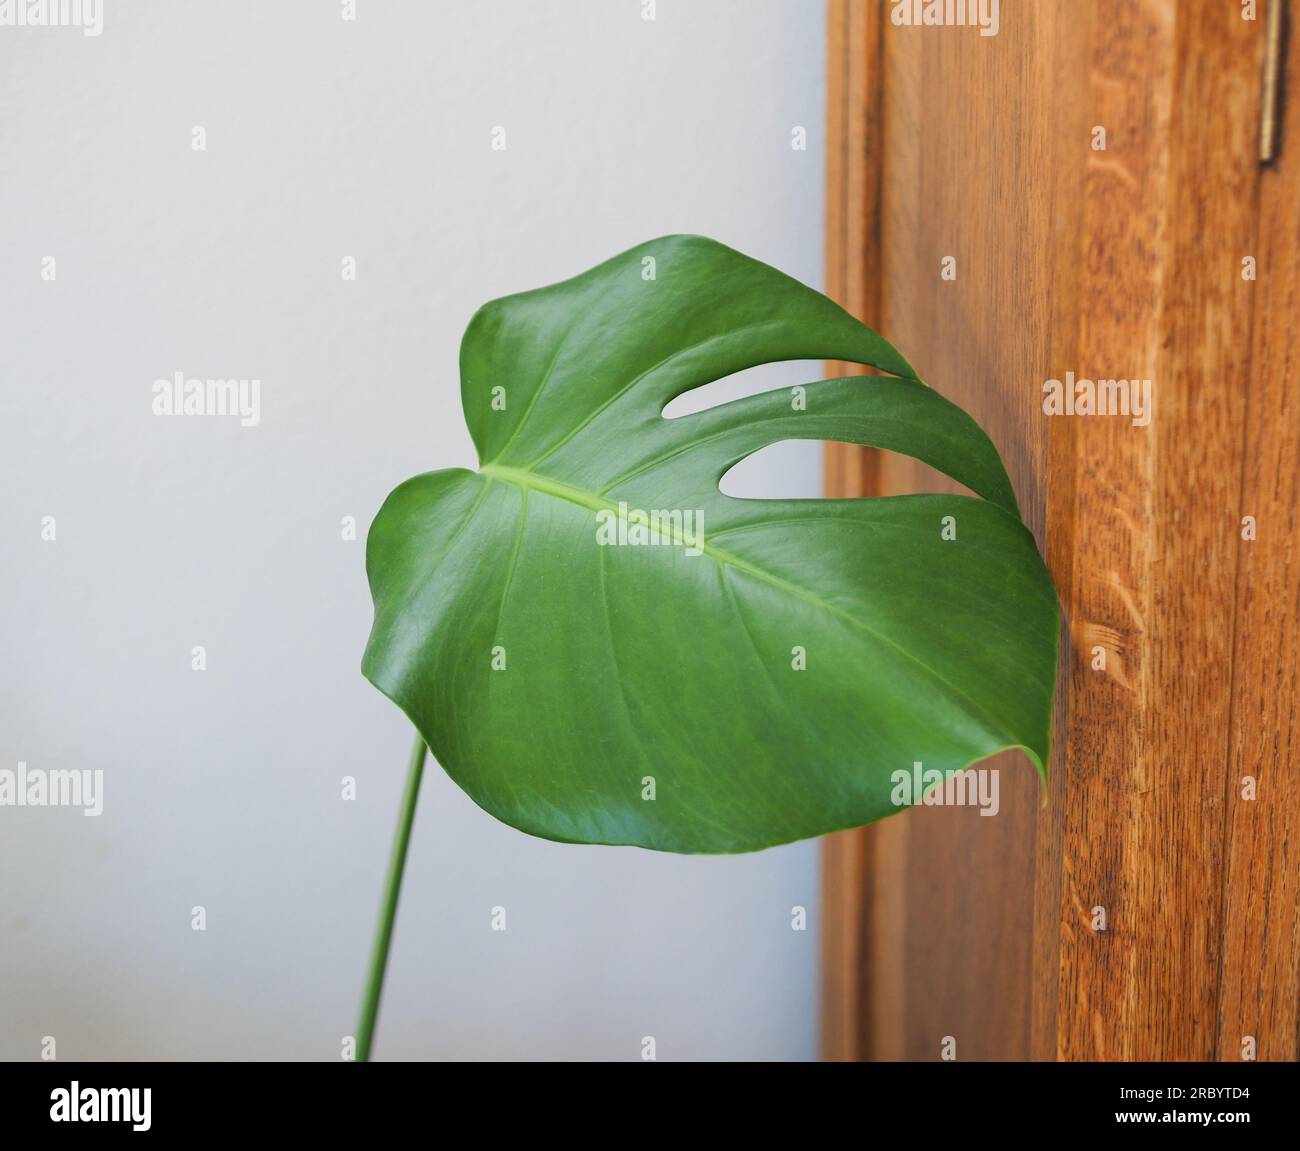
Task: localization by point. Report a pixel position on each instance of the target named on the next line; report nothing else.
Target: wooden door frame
(1145, 815)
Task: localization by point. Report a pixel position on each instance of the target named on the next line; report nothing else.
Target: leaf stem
(388, 909)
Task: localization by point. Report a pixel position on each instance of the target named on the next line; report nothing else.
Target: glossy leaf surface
(761, 672)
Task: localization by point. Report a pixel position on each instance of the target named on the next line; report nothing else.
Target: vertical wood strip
(1260, 985)
(1069, 125)
(1169, 209)
(854, 156)
(853, 160)
(1124, 190)
(1119, 263)
(856, 976)
(967, 125)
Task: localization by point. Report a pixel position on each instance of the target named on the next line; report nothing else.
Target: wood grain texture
(1260, 981)
(939, 885)
(965, 179)
(1117, 263)
(1168, 210)
(853, 157)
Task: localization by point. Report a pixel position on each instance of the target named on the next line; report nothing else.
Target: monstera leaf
(601, 647)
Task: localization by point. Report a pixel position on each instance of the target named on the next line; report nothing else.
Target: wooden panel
(966, 179)
(853, 157)
(863, 882)
(1261, 937)
(1168, 213)
(935, 885)
(1115, 263)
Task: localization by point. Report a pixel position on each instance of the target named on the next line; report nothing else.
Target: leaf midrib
(547, 486)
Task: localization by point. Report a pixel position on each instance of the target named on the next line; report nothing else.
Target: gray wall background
(326, 139)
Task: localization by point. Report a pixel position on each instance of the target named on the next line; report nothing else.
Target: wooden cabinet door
(1083, 192)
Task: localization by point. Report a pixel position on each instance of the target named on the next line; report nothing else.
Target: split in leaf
(601, 647)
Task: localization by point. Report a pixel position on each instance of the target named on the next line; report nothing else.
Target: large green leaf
(551, 673)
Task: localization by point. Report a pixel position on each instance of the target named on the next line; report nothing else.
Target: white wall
(327, 139)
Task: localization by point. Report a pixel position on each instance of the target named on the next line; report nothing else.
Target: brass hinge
(1271, 89)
